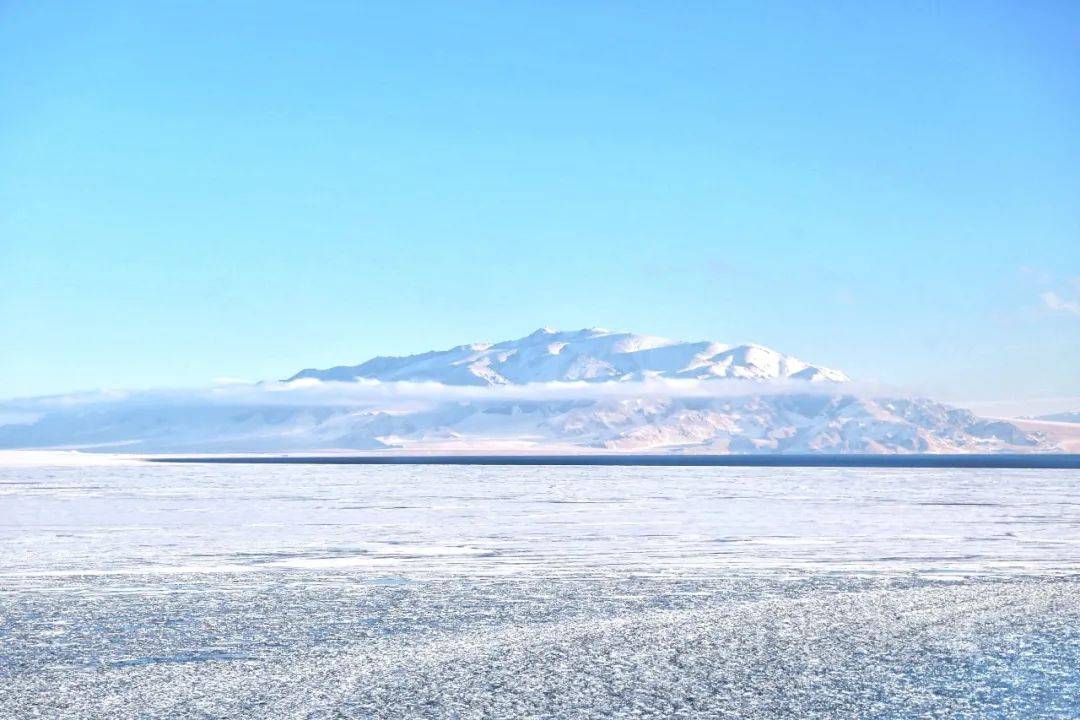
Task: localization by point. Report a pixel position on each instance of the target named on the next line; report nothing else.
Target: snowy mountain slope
(801, 423)
(789, 423)
(775, 412)
(592, 354)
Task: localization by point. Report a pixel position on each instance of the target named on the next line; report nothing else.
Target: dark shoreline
(1068, 461)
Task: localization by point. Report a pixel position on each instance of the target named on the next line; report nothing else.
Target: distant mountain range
(580, 391)
(1062, 417)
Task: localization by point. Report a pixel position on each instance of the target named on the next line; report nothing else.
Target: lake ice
(457, 591)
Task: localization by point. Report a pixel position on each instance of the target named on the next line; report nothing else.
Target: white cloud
(417, 395)
(1057, 303)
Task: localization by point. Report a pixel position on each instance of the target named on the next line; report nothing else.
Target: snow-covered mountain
(582, 391)
(592, 355)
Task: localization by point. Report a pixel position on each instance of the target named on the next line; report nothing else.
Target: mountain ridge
(590, 355)
(1069, 416)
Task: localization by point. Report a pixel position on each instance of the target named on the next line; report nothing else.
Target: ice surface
(481, 521)
(576, 592)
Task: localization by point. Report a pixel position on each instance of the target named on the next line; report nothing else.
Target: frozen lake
(155, 590)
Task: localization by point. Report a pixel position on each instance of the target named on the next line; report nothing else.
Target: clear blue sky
(242, 189)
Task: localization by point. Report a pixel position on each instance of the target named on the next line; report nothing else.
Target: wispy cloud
(416, 395)
(1036, 275)
(1059, 304)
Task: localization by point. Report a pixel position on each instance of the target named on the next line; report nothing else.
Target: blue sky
(242, 189)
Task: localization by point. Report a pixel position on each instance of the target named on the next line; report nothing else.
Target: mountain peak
(591, 354)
